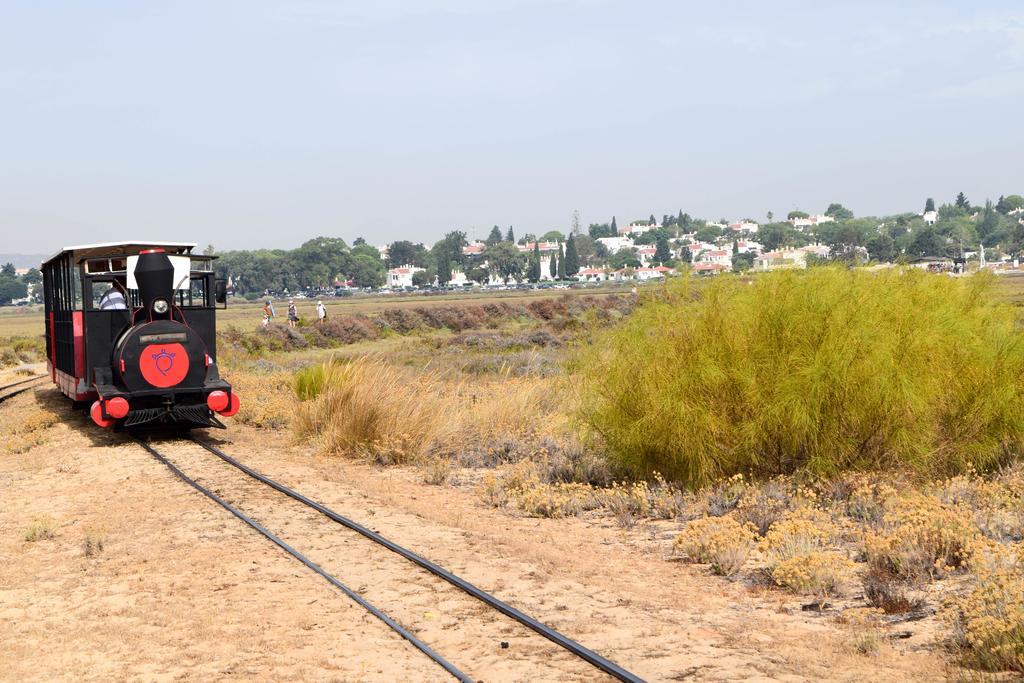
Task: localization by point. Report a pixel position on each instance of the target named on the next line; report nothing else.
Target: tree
(365, 249)
(708, 233)
(585, 249)
(927, 242)
(494, 237)
(32, 277)
(989, 223)
(838, 211)
(552, 236)
(553, 265)
(9, 269)
(961, 202)
(796, 213)
(652, 220)
(572, 258)
(742, 262)
(929, 205)
(358, 241)
(575, 222)
(366, 271)
(209, 250)
(774, 235)
(449, 252)
(403, 252)
(11, 287)
(882, 248)
(561, 261)
(846, 237)
(1013, 202)
(423, 278)
(444, 268)
(770, 216)
(505, 261)
(598, 230)
(510, 236)
(685, 221)
(623, 258)
(533, 271)
(662, 252)
(478, 274)
(615, 228)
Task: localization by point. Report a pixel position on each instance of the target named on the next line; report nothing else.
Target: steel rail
(391, 623)
(14, 393)
(23, 381)
(572, 646)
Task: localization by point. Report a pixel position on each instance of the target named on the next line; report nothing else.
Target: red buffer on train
(131, 328)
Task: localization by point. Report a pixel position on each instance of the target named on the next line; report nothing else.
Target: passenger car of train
(131, 327)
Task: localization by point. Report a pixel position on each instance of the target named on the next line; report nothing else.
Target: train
(131, 334)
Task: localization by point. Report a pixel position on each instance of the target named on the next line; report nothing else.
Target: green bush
(823, 370)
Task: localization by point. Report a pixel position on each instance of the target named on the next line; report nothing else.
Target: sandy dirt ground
(181, 590)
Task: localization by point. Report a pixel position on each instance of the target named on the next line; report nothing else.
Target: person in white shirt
(113, 299)
(321, 312)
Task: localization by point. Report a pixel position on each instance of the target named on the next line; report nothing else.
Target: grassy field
(24, 322)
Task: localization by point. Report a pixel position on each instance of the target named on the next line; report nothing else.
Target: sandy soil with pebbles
(182, 590)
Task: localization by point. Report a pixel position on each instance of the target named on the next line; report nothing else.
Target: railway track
(213, 492)
(6, 392)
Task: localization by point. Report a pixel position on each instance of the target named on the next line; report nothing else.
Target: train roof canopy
(121, 249)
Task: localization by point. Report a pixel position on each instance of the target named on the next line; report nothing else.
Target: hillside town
(957, 236)
(649, 249)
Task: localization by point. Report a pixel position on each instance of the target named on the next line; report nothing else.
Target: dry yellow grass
(371, 408)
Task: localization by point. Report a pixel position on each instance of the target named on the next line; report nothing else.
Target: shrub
(95, 538)
(819, 574)
(825, 370)
(989, 618)
(890, 593)
(920, 538)
(803, 532)
(722, 542)
(348, 329)
(764, 505)
(41, 529)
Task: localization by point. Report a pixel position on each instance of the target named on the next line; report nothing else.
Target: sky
(257, 123)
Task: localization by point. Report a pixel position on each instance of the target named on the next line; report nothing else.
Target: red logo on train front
(164, 365)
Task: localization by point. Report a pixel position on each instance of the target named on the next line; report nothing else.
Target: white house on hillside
(810, 221)
(615, 244)
(592, 275)
(637, 228)
(743, 226)
(930, 217)
(402, 276)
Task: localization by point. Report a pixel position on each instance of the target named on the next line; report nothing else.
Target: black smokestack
(155, 277)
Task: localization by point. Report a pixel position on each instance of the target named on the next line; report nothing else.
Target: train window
(97, 265)
(202, 265)
(118, 265)
(197, 291)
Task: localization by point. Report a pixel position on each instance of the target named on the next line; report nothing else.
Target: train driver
(114, 298)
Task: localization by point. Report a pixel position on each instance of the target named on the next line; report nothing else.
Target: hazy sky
(258, 123)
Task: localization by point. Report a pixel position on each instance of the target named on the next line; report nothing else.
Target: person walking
(293, 313)
(321, 312)
(268, 312)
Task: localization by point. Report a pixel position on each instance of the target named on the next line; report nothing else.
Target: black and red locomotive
(131, 327)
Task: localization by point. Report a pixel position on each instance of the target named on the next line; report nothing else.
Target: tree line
(13, 286)
(320, 263)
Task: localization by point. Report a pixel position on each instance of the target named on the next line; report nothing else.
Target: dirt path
(183, 590)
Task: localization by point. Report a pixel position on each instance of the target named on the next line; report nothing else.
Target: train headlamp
(160, 306)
